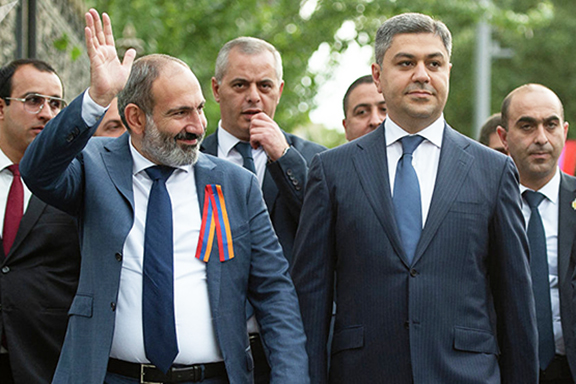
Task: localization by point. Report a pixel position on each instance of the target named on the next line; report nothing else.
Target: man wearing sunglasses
(39, 252)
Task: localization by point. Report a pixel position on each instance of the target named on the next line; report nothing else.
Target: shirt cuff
(91, 111)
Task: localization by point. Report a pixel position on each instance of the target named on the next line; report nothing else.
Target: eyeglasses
(34, 103)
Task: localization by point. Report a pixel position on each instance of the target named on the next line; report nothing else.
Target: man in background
(534, 131)
(364, 108)
(40, 256)
(111, 124)
(248, 85)
(489, 133)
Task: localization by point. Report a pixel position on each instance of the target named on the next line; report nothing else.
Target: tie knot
(244, 149)
(410, 143)
(533, 198)
(159, 172)
(14, 168)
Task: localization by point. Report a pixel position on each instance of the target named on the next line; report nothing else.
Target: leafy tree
(195, 30)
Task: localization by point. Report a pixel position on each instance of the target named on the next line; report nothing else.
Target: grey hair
(138, 88)
(409, 23)
(248, 46)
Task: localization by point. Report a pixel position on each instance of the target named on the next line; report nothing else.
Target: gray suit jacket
(92, 179)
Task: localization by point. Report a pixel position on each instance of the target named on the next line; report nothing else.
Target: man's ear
(216, 89)
(503, 137)
(136, 118)
(2, 108)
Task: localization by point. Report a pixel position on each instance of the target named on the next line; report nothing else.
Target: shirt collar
(551, 189)
(433, 133)
(226, 140)
(140, 163)
(4, 161)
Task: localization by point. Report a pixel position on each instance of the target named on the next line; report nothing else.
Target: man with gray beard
(174, 242)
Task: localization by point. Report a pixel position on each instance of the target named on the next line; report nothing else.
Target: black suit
(566, 261)
(283, 186)
(38, 280)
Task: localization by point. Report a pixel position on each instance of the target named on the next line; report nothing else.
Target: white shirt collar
(551, 189)
(433, 133)
(226, 140)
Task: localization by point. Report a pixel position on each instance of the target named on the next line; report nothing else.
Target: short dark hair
(489, 128)
(7, 72)
(138, 88)
(367, 79)
(409, 23)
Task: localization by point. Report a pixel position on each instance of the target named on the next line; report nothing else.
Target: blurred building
(50, 30)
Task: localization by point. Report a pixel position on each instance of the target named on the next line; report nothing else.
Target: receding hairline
(525, 89)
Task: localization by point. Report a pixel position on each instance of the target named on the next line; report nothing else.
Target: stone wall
(60, 40)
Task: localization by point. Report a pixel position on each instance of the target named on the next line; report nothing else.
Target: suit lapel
(371, 155)
(118, 161)
(453, 167)
(566, 225)
(205, 172)
(29, 219)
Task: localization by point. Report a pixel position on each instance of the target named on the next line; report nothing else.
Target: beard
(164, 148)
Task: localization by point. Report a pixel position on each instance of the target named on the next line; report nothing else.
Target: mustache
(187, 136)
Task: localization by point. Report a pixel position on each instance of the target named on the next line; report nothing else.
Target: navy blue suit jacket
(461, 312)
(92, 179)
(283, 185)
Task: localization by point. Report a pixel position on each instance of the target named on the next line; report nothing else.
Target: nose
(197, 122)
(252, 95)
(376, 117)
(541, 137)
(421, 73)
(45, 112)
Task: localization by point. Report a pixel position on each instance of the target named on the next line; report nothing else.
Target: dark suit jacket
(283, 186)
(92, 179)
(566, 262)
(462, 312)
(38, 280)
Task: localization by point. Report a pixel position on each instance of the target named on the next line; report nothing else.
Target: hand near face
(266, 133)
(107, 75)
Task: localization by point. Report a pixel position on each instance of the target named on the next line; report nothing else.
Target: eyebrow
(185, 108)
(530, 119)
(411, 56)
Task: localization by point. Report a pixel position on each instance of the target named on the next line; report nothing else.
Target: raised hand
(266, 133)
(107, 75)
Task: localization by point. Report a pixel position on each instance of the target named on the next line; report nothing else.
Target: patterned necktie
(406, 198)
(159, 323)
(246, 151)
(14, 210)
(540, 279)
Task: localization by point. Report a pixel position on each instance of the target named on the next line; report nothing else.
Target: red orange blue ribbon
(214, 222)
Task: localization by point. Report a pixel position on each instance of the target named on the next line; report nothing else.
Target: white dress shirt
(194, 327)
(425, 158)
(548, 209)
(226, 150)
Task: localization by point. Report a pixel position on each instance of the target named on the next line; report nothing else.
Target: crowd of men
(411, 254)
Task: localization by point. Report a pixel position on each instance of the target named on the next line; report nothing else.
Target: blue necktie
(406, 199)
(159, 325)
(246, 151)
(540, 279)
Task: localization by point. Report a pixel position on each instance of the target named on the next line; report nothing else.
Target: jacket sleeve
(52, 164)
